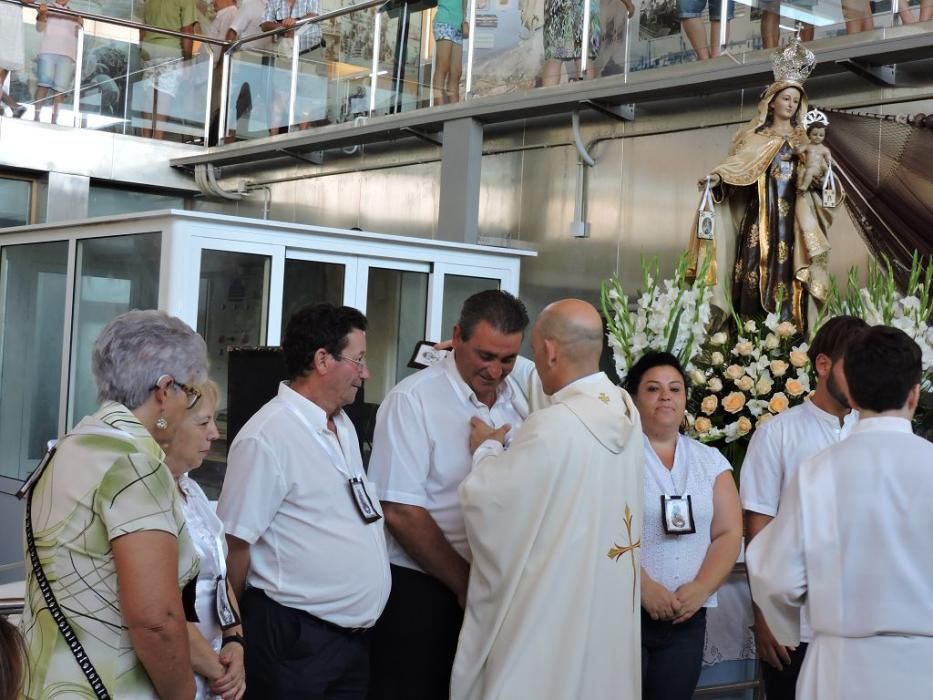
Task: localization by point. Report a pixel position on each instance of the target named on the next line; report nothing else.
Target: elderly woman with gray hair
(106, 538)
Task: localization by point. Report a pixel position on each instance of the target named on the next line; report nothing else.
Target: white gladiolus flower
(750, 326)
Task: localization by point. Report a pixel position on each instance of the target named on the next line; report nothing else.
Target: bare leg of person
(442, 71)
(41, 93)
(806, 32)
(551, 73)
(56, 101)
(696, 35)
(770, 28)
(9, 101)
(857, 14)
(926, 10)
(454, 71)
(715, 27)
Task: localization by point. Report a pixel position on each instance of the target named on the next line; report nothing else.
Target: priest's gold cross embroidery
(617, 551)
(604, 397)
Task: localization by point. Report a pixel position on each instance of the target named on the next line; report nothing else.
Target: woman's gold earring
(161, 423)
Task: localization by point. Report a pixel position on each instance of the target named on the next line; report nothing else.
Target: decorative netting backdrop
(886, 168)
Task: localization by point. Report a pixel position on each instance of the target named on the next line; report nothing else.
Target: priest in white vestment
(852, 536)
(554, 523)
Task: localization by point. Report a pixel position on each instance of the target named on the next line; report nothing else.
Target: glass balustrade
(385, 59)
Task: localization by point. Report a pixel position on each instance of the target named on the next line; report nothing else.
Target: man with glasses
(307, 552)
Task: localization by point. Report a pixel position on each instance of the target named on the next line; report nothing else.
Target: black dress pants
(291, 654)
(415, 640)
(782, 685)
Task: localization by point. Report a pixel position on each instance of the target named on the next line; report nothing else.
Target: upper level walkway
(366, 72)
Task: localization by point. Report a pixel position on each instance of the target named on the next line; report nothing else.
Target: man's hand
(482, 432)
(658, 602)
(232, 684)
(690, 597)
(769, 651)
(288, 22)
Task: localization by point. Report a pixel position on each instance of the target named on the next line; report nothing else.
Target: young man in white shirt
(851, 538)
(420, 456)
(776, 450)
(307, 552)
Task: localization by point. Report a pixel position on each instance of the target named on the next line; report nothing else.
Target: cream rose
(750, 326)
(697, 377)
(795, 387)
(798, 358)
(744, 348)
(785, 329)
(778, 403)
(703, 425)
(734, 402)
(717, 359)
(709, 404)
(735, 371)
(714, 385)
(745, 383)
(763, 419)
(764, 385)
(743, 426)
(778, 368)
(718, 338)
(772, 341)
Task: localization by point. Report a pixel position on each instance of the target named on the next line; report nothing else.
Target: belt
(348, 631)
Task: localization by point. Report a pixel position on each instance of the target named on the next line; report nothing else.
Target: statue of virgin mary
(770, 239)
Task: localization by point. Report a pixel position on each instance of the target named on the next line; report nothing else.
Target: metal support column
(461, 166)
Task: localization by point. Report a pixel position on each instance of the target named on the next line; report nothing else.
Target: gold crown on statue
(794, 62)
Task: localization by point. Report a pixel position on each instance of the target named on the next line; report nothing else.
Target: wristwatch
(233, 639)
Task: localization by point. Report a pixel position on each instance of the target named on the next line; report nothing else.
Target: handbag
(74, 644)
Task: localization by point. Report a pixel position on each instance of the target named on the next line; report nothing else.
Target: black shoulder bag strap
(87, 668)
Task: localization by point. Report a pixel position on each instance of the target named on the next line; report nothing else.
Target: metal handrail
(349, 9)
(128, 23)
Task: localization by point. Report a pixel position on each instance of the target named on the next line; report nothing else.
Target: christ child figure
(814, 158)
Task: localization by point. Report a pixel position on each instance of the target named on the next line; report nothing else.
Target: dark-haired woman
(692, 531)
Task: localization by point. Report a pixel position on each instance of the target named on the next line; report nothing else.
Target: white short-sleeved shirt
(248, 20)
(286, 493)
(217, 29)
(421, 446)
(673, 560)
(775, 452)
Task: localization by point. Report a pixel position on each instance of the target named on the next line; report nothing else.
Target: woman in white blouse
(692, 531)
(216, 650)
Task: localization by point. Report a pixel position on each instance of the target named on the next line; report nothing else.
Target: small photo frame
(706, 224)
(364, 503)
(677, 515)
(425, 355)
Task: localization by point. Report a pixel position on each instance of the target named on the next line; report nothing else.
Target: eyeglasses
(360, 364)
(192, 394)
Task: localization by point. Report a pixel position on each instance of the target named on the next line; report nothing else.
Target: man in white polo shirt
(776, 450)
(307, 551)
(420, 456)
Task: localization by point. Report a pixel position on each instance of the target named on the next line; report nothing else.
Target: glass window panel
(232, 311)
(392, 334)
(457, 289)
(310, 282)
(32, 318)
(112, 200)
(114, 275)
(15, 199)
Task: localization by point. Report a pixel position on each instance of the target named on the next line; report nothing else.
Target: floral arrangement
(670, 316)
(880, 302)
(738, 386)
